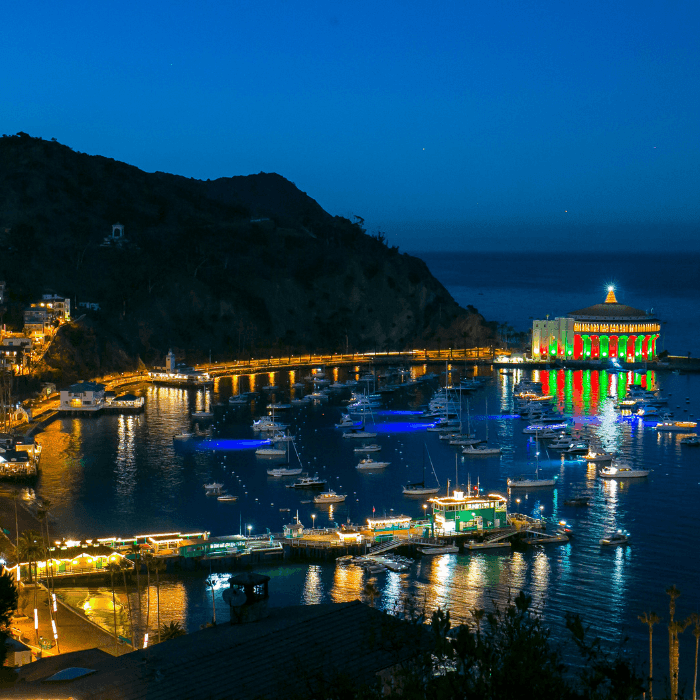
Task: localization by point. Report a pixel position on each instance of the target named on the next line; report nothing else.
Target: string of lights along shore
(609, 330)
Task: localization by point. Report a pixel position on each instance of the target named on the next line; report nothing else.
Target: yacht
(213, 489)
(675, 426)
(598, 455)
(365, 449)
(690, 440)
(308, 482)
(577, 502)
(329, 496)
(284, 471)
(202, 414)
(368, 464)
(480, 451)
(622, 470)
(418, 488)
(271, 452)
(618, 538)
(226, 497)
(527, 483)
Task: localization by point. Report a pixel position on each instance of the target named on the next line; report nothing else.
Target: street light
(541, 511)
(517, 500)
(250, 527)
(313, 521)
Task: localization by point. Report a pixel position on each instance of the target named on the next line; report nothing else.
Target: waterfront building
(387, 528)
(607, 331)
(463, 513)
(213, 547)
(83, 396)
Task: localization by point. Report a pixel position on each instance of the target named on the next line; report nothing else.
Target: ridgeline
(241, 266)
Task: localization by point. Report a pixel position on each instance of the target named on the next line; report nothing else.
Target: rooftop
(610, 308)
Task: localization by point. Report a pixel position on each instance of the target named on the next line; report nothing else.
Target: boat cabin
(463, 513)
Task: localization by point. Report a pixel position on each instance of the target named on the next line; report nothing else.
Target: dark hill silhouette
(199, 273)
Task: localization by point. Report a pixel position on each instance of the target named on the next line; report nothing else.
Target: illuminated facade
(463, 513)
(600, 332)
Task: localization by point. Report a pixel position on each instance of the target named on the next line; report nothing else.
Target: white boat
(184, 436)
(529, 483)
(270, 452)
(596, 455)
(346, 421)
(690, 440)
(676, 426)
(622, 470)
(202, 414)
(239, 400)
(226, 497)
(446, 549)
(365, 449)
(284, 471)
(369, 464)
(613, 540)
(213, 489)
(329, 496)
(418, 488)
(480, 451)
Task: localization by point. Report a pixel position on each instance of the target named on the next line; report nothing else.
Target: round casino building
(597, 333)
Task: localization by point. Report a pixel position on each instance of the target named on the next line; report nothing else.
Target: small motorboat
(284, 471)
(202, 414)
(329, 496)
(226, 497)
(445, 549)
(369, 464)
(690, 441)
(213, 489)
(577, 502)
(368, 448)
(622, 470)
(619, 538)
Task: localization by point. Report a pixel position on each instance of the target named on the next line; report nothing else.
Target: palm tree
(209, 583)
(113, 568)
(371, 591)
(30, 548)
(136, 550)
(696, 632)
(158, 566)
(674, 629)
(148, 557)
(124, 565)
(650, 619)
(171, 631)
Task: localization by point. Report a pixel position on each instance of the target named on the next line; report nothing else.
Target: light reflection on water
(122, 474)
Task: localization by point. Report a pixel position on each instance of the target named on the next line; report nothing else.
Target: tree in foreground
(171, 631)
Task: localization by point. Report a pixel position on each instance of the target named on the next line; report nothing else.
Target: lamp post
(313, 521)
(517, 500)
(541, 512)
(250, 527)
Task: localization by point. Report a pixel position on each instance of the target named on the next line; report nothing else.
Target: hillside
(241, 266)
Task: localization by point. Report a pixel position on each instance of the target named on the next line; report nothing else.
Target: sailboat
(482, 450)
(527, 483)
(287, 470)
(419, 488)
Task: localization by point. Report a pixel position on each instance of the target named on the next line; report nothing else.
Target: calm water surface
(121, 475)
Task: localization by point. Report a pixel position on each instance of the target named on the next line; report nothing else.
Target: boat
(202, 414)
(346, 421)
(480, 451)
(270, 452)
(577, 502)
(368, 464)
(622, 470)
(578, 447)
(284, 471)
(597, 455)
(184, 436)
(240, 400)
(488, 544)
(329, 496)
(445, 549)
(527, 483)
(675, 426)
(359, 434)
(613, 540)
(372, 447)
(307, 482)
(213, 489)
(226, 497)
(690, 440)
(418, 488)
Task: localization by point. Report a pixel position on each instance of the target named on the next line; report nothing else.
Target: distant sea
(516, 288)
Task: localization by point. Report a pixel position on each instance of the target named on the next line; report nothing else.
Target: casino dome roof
(610, 309)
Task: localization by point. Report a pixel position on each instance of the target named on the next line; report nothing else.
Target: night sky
(452, 125)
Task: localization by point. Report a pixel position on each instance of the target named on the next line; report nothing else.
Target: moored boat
(329, 497)
(622, 470)
(369, 464)
(618, 538)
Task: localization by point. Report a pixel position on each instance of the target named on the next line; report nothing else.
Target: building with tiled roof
(298, 651)
(600, 332)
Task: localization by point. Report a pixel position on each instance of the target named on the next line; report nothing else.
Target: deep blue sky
(447, 125)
